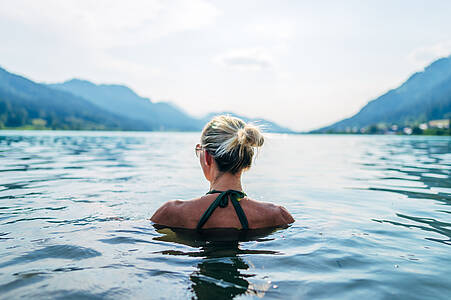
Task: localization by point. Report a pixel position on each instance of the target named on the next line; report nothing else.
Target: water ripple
(373, 219)
(56, 251)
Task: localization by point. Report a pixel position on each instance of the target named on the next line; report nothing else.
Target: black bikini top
(222, 201)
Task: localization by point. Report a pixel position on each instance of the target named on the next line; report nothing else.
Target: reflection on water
(221, 272)
(373, 219)
(429, 225)
(220, 278)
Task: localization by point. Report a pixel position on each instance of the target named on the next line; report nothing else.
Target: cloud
(423, 56)
(280, 30)
(245, 59)
(79, 37)
(109, 23)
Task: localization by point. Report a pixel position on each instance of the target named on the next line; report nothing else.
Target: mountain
(424, 96)
(121, 100)
(265, 125)
(82, 105)
(26, 103)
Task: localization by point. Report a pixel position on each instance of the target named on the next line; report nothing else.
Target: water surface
(373, 219)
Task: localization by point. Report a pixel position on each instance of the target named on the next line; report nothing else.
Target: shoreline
(442, 132)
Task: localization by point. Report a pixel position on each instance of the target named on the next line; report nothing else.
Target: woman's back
(187, 214)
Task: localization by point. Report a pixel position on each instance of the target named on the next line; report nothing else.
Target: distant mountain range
(424, 96)
(82, 105)
(121, 100)
(26, 103)
(264, 124)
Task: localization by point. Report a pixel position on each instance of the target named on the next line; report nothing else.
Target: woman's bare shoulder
(274, 214)
(285, 216)
(171, 213)
(165, 211)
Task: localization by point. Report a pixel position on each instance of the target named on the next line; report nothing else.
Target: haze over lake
(372, 218)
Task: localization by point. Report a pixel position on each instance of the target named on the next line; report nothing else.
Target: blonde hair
(231, 142)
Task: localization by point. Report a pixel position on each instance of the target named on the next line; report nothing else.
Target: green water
(373, 219)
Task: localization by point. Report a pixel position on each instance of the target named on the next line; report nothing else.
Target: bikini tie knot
(223, 198)
(222, 201)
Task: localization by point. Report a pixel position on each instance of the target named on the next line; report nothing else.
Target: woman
(226, 150)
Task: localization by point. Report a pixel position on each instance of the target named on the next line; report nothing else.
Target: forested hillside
(424, 96)
(24, 103)
(123, 101)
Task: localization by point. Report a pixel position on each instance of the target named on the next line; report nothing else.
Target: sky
(302, 64)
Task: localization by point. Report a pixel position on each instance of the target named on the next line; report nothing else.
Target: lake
(373, 219)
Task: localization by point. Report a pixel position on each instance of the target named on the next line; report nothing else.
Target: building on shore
(439, 123)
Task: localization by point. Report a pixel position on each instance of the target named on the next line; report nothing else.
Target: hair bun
(250, 135)
(231, 142)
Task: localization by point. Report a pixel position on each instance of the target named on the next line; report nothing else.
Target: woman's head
(231, 142)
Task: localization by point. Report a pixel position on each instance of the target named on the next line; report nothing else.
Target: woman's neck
(227, 181)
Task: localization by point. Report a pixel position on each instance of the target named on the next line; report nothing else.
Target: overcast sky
(303, 64)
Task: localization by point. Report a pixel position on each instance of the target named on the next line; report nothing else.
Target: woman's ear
(208, 158)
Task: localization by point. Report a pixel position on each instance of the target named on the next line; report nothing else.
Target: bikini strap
(222, 201)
